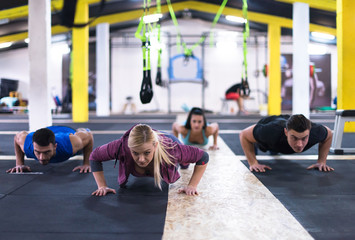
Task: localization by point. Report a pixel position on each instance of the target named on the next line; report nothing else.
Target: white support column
(116, 108)
(39, 29)
(102, 69)
(300, 92)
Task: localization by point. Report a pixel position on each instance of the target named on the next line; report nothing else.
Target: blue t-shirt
(64, 149)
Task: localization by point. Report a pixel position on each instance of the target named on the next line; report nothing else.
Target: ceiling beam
(21, 12)
(327, 5)
(209, 8)
(181, 6)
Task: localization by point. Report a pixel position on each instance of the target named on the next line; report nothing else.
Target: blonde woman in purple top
(143, 151)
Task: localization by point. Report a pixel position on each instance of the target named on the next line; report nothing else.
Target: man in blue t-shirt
(286, 134)
(53, 145)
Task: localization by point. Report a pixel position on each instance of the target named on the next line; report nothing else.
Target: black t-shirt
(270, 136)
(234, 88)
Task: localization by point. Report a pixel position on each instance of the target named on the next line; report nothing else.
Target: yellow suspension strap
(245, 84)
(146, 93)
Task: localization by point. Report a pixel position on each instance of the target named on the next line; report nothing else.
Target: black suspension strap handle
(146, 93)
(245, 87)
(158, 80)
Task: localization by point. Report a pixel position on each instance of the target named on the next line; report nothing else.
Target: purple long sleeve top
(118, 149)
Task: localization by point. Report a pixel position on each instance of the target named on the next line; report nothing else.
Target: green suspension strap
(245, 84)
(146, 93)
(188, 52)
(158, 80)
(216, 18)
(173, 17)
(158, 6)
(149, 85)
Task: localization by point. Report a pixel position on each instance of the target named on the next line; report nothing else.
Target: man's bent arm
(86, 143)
(88, 149)
(19, 141)
(247, 141)
(323, 148)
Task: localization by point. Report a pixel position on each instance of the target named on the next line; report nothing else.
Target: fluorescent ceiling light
(5, 45)
(228, 34)
(4, 21)
(60, 49)
(152, 18)
(323, 35)
(226, 45)
(236, 19)
(316, 49)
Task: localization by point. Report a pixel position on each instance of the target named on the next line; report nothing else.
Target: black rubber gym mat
(14, 126)
(13, 116)
(110, 125)
(58, 205)
(12, 182)
(81, 236)
(137, 116)
(93, 116)
(118, 126)
(233, 116)
(234, 126)
(323, 202)
(7, 145)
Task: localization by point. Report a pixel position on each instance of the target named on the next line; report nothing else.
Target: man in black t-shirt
(286, 134)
